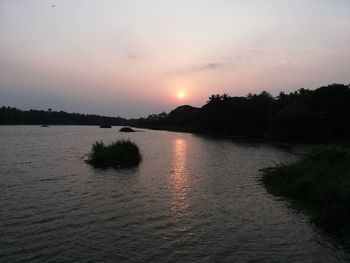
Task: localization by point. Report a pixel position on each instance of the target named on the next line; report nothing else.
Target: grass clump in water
(319, 183)
(119, 154)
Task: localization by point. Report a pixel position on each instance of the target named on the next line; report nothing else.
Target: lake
(192, 199)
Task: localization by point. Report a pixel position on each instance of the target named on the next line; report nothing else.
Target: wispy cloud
(134, 56)
(211, 66)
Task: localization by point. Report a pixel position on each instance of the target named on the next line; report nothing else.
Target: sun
(181, 95)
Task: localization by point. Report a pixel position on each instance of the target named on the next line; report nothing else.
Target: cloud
(211, 66)
(133, 56)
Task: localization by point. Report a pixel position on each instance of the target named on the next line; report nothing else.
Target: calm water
(192, 199)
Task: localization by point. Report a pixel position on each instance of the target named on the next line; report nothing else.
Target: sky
(131, 58)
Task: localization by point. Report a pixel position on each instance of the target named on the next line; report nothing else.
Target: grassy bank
(318, 183)
(120, 154)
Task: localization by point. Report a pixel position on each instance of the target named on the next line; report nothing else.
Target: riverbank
(319, 184)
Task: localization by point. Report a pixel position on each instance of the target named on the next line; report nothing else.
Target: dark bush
(126, 129)
(119, 154)
(320, 182)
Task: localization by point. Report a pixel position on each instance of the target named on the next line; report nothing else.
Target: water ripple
(209, 208)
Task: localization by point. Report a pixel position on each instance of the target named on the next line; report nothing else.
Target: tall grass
(119, 154)
(320, 183)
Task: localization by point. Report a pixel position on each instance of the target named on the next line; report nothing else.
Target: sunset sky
(131, 58)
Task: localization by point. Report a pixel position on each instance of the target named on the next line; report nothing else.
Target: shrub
(320, 183)
(126, 129)
(119, 154)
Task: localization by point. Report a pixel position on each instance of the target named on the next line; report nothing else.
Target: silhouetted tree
(10, 115)
(303, 115)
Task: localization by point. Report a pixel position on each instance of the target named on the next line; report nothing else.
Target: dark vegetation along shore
(119, 154)
(319, 184)
(14, 116)
(321, 115)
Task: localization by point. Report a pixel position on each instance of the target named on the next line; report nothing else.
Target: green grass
(119, 154)
(319, 183)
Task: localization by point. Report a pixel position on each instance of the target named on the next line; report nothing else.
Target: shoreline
(318, 185)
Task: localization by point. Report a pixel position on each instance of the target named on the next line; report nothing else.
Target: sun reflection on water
(179, 181)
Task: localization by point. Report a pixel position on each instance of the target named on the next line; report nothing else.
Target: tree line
(304, 115)
(301, 116)
(11, 116)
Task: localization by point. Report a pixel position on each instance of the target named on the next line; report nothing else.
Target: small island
(119, 154)
(126, 129)
(105, 126)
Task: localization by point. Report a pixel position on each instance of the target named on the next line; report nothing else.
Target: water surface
(192, 199)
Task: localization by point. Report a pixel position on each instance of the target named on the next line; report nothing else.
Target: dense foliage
(304, 115)
(120, 154)
(9, 115)
(319, 115)
(319, 183)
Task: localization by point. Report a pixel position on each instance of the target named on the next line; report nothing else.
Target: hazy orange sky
(132, 58)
